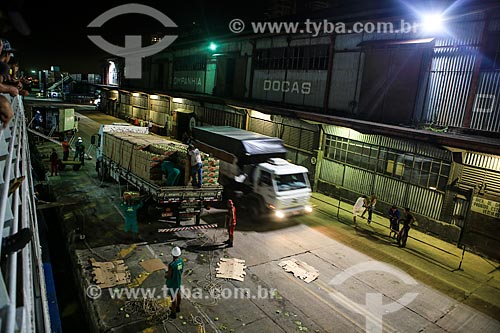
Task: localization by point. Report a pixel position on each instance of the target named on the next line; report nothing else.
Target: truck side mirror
(92, 140)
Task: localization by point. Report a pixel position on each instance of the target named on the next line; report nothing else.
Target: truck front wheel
(253, 209)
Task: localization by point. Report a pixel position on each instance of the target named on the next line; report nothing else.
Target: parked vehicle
(129, 153)
(255, 173)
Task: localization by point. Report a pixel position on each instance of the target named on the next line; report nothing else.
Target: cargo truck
(255, 173)
(130, 153)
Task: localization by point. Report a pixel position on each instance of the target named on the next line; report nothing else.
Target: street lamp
(432, 22)
(212, 46)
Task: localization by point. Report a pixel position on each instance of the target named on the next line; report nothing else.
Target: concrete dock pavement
(289, 305)
(353, 263)
(427, 258)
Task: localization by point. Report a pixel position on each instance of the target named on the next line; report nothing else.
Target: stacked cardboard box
(210, 169)
(175, 152)
(142, 155)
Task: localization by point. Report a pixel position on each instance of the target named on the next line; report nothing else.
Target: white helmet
(79, 138)
(176, 251)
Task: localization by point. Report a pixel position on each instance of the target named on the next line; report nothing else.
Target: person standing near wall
(359, 206)
(394, 221)
(150, 126)
(407, 222)
(370, 207)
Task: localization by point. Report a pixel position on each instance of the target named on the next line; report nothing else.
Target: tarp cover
(248, 147)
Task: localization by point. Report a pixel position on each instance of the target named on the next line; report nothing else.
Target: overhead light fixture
(432, 23)
(136, 94)
(154, 96)
(212, 46)
(178, 100)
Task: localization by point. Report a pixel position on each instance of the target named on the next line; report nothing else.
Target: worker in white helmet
(79, 150)
(173, 276)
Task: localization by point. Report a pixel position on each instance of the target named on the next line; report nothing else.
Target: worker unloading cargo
(172, 173)
(123, 155)
(129, 208)
(196, 165)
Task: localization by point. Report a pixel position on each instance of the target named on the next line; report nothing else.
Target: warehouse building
(411, 115)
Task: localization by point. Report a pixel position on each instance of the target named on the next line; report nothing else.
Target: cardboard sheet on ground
(231, 268)
(152, 265)
(300, 269)
(108, 274)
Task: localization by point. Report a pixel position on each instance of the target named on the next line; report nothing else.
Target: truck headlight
(308, 209)
(279, 214)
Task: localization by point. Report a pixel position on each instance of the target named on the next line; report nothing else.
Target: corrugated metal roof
(387, 42)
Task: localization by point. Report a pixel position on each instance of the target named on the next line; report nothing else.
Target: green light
(213, 46)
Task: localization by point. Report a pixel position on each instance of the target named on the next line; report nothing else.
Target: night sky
(59, 33)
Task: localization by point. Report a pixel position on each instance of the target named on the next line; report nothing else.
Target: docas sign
(296, 87)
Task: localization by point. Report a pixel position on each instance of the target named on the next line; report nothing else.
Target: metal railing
(23, 296)
(376, 218)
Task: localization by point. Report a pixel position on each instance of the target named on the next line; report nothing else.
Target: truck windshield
(290, 182)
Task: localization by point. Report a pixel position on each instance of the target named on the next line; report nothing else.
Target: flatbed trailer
(173, 201)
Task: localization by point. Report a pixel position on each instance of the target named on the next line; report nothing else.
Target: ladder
(52, 130)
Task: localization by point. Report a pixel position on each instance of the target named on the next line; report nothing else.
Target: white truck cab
(284, 187)
(254, 171)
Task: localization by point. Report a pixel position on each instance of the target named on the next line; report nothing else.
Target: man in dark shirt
(54, 160)
(407, 222)
(394, 221)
